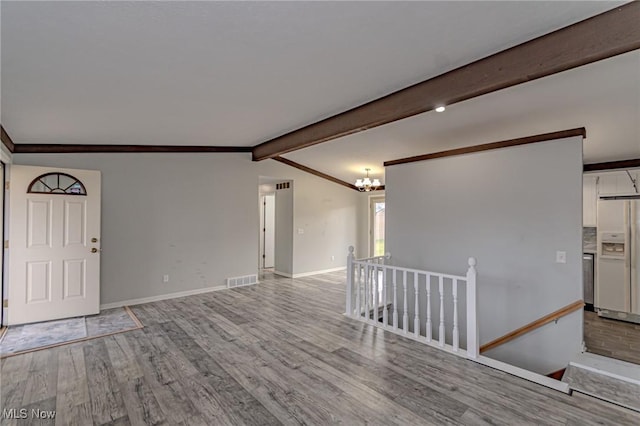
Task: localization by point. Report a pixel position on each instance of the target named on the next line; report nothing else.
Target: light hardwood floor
(279, 352)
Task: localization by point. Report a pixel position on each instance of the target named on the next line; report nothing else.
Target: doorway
(267, 227)
(275, 251)
(376, 226)
(611, 219)
(3, 288)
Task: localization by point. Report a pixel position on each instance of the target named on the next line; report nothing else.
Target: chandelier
(366, 184)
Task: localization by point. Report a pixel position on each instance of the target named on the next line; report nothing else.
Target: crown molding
(314, 172)
(493, 145)
(25, 148)
(6, 139)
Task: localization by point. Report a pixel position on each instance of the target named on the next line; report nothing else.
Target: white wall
(196, 218)
(283, 261)
(512, 209)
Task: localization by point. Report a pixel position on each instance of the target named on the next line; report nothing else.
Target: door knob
(94, 250)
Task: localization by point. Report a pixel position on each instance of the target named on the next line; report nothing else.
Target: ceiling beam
(6, 139)
(314, 172)
(27, 148)
(580, 131)
(613, 165)
(600, 37)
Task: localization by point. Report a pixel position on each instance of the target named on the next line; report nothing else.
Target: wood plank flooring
(280, 352)
(612, 338)
(604, 387)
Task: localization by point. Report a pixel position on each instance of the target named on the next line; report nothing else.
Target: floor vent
(242, 281)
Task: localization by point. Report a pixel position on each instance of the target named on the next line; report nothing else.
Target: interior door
(635, 255)
(269, 230)
(54, 243)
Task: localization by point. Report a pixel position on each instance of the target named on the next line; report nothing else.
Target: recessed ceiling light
(440, 108)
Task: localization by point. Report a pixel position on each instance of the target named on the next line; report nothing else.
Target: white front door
(54, 243)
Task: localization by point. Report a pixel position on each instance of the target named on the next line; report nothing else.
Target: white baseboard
(308, 274)
(525, 374)
(167, 296)
(324, 271)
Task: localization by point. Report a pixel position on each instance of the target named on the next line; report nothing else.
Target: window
(376, 223)
(57, 183)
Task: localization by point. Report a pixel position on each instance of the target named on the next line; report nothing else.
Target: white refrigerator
(617, 289)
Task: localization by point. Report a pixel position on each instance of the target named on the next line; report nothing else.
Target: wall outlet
(165, 278)
(561, 257)
(333, 258)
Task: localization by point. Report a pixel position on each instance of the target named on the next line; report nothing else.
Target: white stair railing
(371, 279)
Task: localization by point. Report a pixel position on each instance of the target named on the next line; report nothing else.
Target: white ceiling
(603, 97)
(239, 73)
(235, 73)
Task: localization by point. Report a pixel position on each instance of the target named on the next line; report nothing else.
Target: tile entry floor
(26, 337)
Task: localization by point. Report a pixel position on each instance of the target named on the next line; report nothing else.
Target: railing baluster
(385, 308)
(367, 292)
(395, 300)
(473, 345)
(405, 315)
(456, 333)
(376, 294)
(441, 331)
(416, 317)
(428, 324)
(363, 295)
(358, 285)
(349, 302)
(371, 291)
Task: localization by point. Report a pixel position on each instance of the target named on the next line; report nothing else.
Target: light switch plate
(561, 257)
(300, 231)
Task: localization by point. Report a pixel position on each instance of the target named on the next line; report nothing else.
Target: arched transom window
(57, 183)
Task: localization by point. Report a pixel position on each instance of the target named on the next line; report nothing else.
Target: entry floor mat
(19, 339)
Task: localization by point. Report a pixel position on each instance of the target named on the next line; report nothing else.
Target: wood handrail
(578, 304)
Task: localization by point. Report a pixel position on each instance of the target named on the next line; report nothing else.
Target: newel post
(350, 257)
(472, 312)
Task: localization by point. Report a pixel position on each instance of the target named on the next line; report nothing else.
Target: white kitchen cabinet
(589, 199)
(605, 183)
(612, 183)
(625, 184)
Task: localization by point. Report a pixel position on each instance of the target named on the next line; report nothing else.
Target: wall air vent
(284, 185)
(242, 281)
